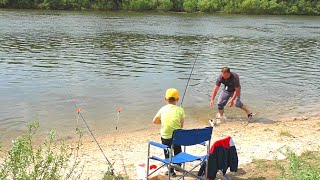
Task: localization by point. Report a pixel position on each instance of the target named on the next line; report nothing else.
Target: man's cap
(171, 92)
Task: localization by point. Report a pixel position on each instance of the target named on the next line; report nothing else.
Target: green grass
(312, 158)
(305, 167)
(50, 160)
(108, 176)
(267, 129)
(286, 133)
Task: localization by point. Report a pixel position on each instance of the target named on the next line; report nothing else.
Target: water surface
(107, 60)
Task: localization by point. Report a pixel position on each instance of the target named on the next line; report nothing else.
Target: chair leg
(170, 156)
(185, 172)
(169, 171)
(226, 177)
(184, 164)
(148, 162)
(207, 159)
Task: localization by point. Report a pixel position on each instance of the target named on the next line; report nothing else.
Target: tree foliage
(296, 7)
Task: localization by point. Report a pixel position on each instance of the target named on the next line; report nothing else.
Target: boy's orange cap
(171, 92)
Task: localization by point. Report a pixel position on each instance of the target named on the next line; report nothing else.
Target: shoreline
(253, 141)
(161, 12)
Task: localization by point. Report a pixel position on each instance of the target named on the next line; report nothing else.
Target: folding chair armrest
(162, 146)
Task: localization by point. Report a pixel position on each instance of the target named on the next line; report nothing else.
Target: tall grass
(297, 169)
(50, 160)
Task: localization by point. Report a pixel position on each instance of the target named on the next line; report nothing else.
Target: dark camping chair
(184, 138)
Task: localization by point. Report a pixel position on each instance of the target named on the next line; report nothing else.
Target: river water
(52, 60)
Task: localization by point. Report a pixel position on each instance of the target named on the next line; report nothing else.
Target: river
(51, 61)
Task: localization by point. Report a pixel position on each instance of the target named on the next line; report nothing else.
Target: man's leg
(245, 108)
(240, 105)
(222, 101)
(221, 111)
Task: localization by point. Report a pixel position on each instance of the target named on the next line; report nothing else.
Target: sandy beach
(253, 141)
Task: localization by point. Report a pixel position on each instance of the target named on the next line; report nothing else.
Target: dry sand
(253, 141)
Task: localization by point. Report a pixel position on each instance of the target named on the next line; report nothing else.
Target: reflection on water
(125, 59)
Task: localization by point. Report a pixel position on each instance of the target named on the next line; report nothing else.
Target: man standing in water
(231, 90)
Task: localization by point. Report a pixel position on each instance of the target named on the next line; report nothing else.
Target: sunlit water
(108, 60)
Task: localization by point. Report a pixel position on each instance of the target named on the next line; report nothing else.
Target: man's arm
(214, 93)
(235, 95)
(156, 120)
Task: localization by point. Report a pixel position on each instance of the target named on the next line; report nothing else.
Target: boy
(171, 117)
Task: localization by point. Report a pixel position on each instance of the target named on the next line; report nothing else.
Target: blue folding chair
(183, 137)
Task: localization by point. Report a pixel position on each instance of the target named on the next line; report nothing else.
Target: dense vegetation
(297, 7)
(50, 160)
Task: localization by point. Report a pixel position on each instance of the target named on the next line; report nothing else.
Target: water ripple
(120, 59)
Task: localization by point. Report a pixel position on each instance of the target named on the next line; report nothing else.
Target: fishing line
(80, 115)
(185, 90)
(210, 120)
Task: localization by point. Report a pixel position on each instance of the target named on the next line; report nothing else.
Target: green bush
(254, 6)
(277, 8)
(54, 4)
(297, 7)
(190, 5)
(77, 4)
(105, 5)
(20, 4)
(164, 5)
(231, 6)
(209, 5)
(47, 161)
(177, 5)
(142, 5)
(3, 3)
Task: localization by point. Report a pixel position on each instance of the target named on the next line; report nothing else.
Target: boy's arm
(182, 122)
(156, 120)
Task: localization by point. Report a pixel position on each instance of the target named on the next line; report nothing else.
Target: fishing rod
(91, 133)
(211, 122)
(185, 90)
